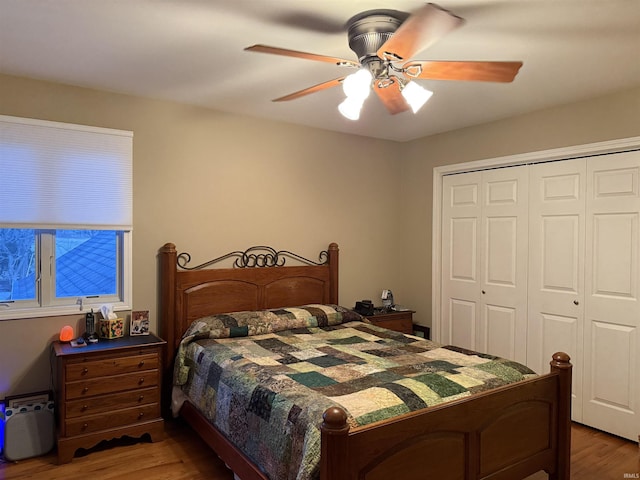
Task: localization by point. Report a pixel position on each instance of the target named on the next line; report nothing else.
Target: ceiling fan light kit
(415, 95)
(357, 88)
(358, 85)
(381, 40)
(350, 108)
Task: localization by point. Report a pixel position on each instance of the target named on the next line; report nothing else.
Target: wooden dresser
(399, 321)
(106, 390)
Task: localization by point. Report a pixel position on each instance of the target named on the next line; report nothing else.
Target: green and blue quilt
(264, 378)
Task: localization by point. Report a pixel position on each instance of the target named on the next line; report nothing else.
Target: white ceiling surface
(191, 51)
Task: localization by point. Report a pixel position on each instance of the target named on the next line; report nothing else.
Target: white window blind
(60, 175)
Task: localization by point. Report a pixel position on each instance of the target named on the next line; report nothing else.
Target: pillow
(258, 322)
(242, 324)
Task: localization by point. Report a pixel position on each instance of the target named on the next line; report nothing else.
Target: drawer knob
(85, 426)
(141, 381)
(85, 389)
(141, 414)
(85, 370)
(140, 398)
(141, 364)
(85, 408)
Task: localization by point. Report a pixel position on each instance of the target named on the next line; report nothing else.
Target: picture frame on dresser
(139, 323)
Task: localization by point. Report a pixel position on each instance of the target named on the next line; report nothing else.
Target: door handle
(576, 302)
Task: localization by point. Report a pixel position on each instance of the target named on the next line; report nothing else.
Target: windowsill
(19, 314)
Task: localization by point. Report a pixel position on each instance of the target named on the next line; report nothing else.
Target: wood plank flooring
(183, 456)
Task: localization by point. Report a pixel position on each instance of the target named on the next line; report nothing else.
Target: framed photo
(139, 322)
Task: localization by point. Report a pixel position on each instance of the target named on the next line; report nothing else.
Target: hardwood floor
(183, 456)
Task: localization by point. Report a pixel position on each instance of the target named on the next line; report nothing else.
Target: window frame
(47, 305)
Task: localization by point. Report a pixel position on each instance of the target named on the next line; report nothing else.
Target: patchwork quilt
(265, 378)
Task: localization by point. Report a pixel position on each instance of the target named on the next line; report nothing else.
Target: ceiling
(191, 51)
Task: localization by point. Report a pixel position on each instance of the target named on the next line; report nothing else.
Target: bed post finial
(561, 360)
(168, 247)
(334, 421)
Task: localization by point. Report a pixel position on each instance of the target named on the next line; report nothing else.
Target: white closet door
(556, 267)
(461, 211)
(612, 282)
(484, 261)
(502, 329)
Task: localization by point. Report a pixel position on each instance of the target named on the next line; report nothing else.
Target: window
(65, 218)
(17, 264)
(58, 267)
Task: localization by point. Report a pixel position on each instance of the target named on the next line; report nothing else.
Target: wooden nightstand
(398, 321)
(106, 390)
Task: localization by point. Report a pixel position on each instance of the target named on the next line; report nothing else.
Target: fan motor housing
(369, 30)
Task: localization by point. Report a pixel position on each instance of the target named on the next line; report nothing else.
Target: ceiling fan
(384, 42)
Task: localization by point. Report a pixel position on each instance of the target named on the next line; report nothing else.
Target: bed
(508, 432)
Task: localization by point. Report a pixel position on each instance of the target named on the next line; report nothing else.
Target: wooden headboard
(258, 280)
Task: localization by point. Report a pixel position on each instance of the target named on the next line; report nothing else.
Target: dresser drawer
(110, 366)
(401, 321)
(112, 384)
(113, 419)
(404, 325)
(107, 403)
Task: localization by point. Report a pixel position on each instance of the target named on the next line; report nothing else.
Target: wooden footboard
(507, 433)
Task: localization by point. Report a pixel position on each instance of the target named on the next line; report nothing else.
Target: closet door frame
(565, 153)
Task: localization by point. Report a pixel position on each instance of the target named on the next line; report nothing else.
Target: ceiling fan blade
(422, 29)
(316, 88)
(307, 56)
(476, 71)
(392, 98)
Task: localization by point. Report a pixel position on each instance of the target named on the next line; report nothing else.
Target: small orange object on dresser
(66, 333)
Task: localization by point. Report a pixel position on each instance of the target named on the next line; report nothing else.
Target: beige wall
(605, 118)
(212, 182)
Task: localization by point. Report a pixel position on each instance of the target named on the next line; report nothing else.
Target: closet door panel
(612, 346)
(615, 245)
(561, 244)
(612, 277)
(463, 323)
(500, 331)
(556, 267)
(502, 327)
(501, 250)
(464, 240)
(560, 334)
(460, 260)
